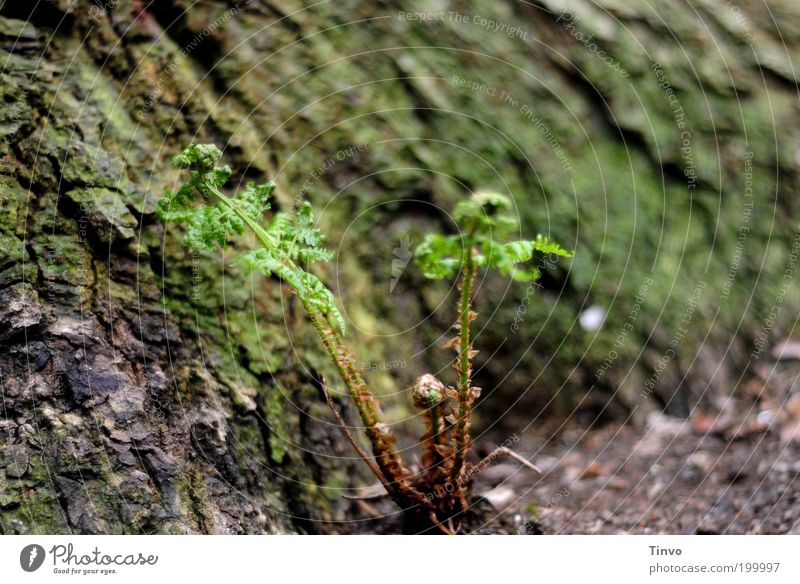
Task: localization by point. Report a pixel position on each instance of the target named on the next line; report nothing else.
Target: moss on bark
(145, 390)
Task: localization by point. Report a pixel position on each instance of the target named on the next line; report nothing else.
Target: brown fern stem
(432, 442)
(398, 478)
(463, 366)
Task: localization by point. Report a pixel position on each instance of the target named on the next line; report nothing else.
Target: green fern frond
(285, 240)
(485, 221)
(439, 256)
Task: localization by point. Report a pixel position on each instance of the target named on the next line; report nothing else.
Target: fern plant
(486, 224)
(290, 243)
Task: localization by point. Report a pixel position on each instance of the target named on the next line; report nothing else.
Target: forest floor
(674, 476)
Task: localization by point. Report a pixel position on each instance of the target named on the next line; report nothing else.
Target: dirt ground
(672, 476)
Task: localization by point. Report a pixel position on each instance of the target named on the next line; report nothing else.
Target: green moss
(533, 512)
(10, 195)
(106, 213)
(28, 504)
(276, 413)
(194, 496)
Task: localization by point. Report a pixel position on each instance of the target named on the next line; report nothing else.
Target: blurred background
(659, 141)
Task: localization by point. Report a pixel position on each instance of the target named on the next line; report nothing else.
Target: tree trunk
(136, 400)
(147, 390)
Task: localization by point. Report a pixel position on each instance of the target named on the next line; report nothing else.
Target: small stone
(663, 425)
(766, 417)
(120, 436)
(656, 489)
(500, 497)
(787, 349)
(594, 470)
(701, 460)
(792, 406)
(546, 463)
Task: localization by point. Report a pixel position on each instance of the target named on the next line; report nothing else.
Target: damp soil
(669, 476)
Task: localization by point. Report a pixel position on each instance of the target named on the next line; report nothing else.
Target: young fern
(290, 243)
(286, 242)
(486, 223)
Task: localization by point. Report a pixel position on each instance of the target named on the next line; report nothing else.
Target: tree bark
(130, 403)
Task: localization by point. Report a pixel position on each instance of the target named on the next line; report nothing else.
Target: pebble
(500, 497)
(656, 489)
(701, 460)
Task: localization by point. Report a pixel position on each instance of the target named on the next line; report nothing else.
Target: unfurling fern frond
(485, 222)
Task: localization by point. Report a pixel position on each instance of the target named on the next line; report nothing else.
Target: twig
(368, 509)
(504, 451)
(372, 493)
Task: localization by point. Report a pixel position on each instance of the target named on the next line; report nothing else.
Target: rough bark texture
(146, 390)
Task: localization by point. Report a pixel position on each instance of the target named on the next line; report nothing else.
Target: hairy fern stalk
(486, 223)
(290, 243)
